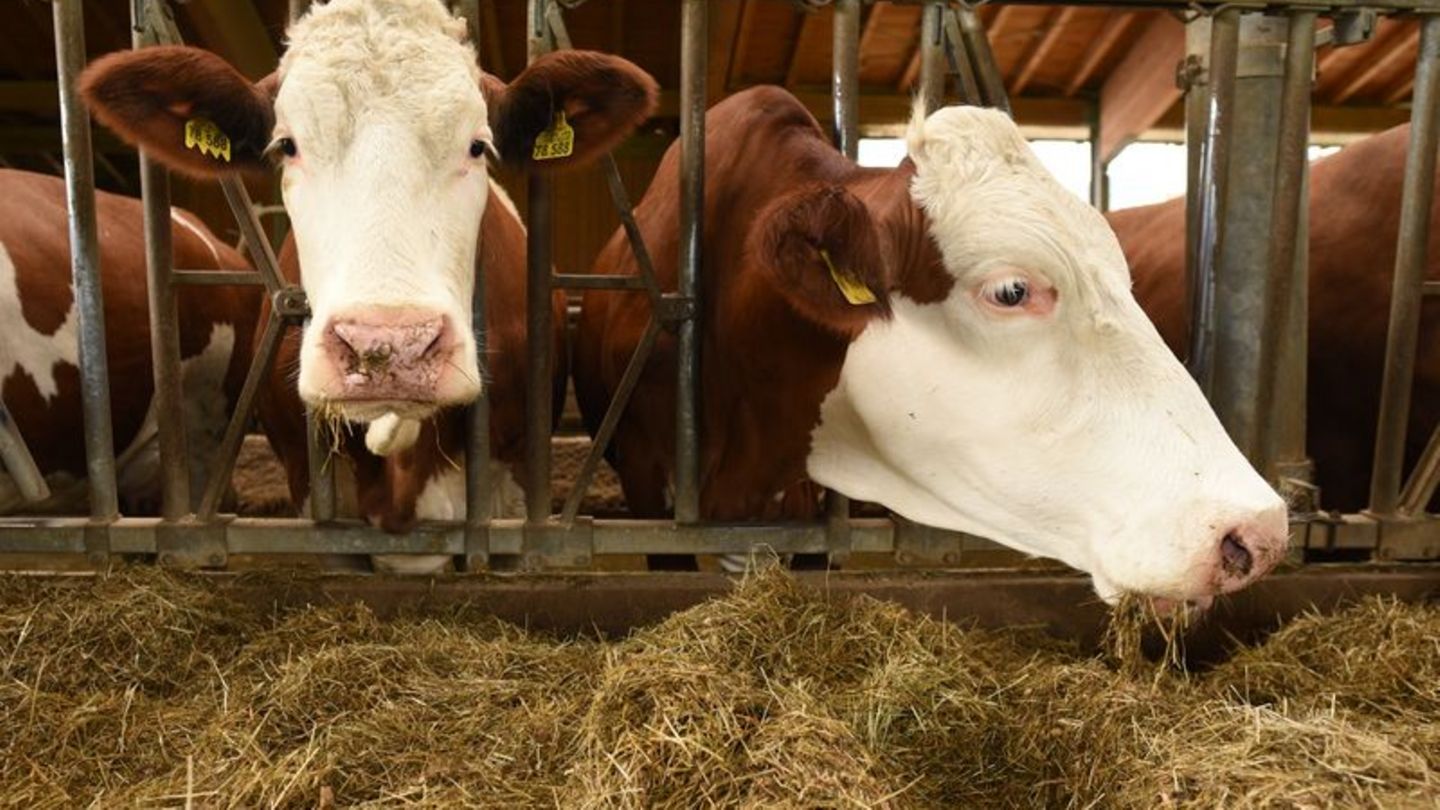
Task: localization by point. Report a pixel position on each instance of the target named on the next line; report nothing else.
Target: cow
(954, 339)
(383, 123)
(39, 347)
(1354, 219)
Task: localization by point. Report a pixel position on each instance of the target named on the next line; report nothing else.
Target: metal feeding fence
(1249, 72)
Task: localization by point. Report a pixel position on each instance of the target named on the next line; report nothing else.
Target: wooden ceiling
(1056, 60)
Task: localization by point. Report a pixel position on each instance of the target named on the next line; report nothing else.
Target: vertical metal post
(164, 321)
(845, 87)
(1099, 182)
(845, 76)
(960, 61)
(1280, 392)
(85, 263)
(987, 71)
(1400, 342)
(932, 55)
(1242, 306)
(1194, 76)
(538, 391)
(318, 436)
(692, 213)
(1214, 165)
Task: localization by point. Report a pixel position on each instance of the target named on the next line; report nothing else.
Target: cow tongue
(390, 434)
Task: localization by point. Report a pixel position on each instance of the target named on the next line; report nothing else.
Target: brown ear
(603, 98)
(148, 96)
(821, 248)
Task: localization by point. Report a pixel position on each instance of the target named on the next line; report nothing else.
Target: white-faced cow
(1354, 219)
(39, 350)
(382, 120)
(973, 361)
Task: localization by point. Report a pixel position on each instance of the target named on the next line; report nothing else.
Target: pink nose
(1247, 551)
(389, 355)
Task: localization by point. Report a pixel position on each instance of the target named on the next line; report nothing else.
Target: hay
(145, 688)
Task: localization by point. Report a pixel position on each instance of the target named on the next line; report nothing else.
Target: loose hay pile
(146, 688)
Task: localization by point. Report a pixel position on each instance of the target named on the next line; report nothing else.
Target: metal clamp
(290, 303)
(1354, 26)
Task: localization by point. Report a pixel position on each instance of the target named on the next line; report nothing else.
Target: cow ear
(568, 108)
(185, 106)
(821, 248)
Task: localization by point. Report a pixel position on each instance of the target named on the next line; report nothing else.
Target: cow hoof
(410, 565)
(391, 434)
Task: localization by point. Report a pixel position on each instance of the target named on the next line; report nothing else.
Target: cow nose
(398, 355)
(1249, 549)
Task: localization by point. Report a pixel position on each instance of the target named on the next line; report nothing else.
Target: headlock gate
(1249, 74)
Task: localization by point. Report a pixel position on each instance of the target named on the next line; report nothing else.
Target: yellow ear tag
(556, 142)
(854, 291)
(203, 135)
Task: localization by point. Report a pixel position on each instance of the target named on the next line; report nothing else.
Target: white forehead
(991, 202)
(405, 61)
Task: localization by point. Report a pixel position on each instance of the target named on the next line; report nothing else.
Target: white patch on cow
(206, 410)
(22, 349)
(391, 434)
(182, 218)
(443, 499)
(1072, 434)
(382, 99)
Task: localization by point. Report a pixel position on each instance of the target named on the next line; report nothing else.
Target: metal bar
(611, 420)
(1214, 166)
(960, 62)
(621, 198)
(932, 56)
(992, 81)
(584, 281)
(1420, 489)
(217, 278)
(1286, 275)
(16, 459)
(318, 436)
(693, 54)
(539, 391)
(1242, 302)
(85, 263)
(1431, 288)
(478, 500)
(252, 232)
(1099, 182)
(1194, 77)
(845, 76)
(1401, 340)
(229, 449)
(169, 392)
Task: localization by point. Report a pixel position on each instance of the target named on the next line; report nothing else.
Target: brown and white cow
(39, 350)
(974, 361)
(1354, 219)
(382, 120)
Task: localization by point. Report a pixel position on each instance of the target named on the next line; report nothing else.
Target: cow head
(1009, 385)
(382, 122)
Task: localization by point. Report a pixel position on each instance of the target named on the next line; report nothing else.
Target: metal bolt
(904, 557)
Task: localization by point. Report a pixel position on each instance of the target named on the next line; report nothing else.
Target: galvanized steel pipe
(1400, 342)
(85, 263)
(692, 212)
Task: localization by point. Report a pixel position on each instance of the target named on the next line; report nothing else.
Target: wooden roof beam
(724, 23)
(1057, 21)
(1116, 26)
(736, 62)
(812, 20)
(236, 32)
(1142, 87)
(1394, 51)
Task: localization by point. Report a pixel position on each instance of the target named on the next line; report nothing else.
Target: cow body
(953, 339)
(39, 350)
(1354, 220)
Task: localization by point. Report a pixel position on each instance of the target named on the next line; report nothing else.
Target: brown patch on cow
(146, 97)
(766, 367)
(603, 97)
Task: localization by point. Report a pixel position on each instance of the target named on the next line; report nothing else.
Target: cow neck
(916, 270)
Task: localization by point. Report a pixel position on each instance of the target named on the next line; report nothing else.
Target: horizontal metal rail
(217, 278)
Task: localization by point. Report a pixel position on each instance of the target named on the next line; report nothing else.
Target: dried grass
(144, 688)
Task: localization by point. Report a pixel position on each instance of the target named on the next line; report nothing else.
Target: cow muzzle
(400, 361)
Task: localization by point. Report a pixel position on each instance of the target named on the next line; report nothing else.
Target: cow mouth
(1167, 606)
(364, 411)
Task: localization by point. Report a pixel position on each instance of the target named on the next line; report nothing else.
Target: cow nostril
(1235, 558)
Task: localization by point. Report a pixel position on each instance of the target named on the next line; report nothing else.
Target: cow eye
(1010, 293)
(286, 147)
(478, 148)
